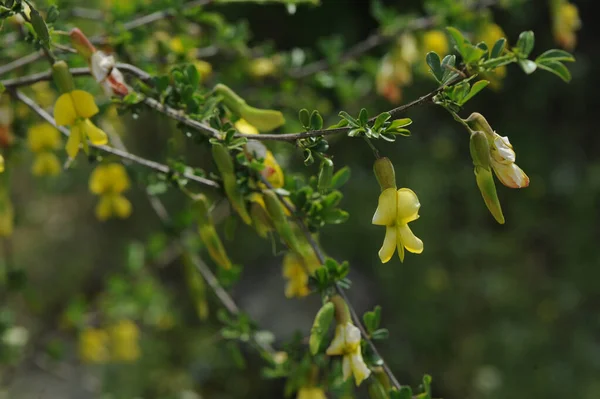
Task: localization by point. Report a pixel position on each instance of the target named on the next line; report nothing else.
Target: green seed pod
(196, 286)
(62, 76)
(376, 390)
(320, 327)
(342, 313)
(325, 174)
(222, 158)
(384, 172)
(485, 182)
(480, 150)
(230, 98)
(276, 212)
(260, 219)
(208, 234)
(236, 198)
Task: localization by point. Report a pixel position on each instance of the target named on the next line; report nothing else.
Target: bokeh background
(490, 311)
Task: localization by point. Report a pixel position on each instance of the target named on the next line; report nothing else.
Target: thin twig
(113, 151)
(99, 39)
(321, 257)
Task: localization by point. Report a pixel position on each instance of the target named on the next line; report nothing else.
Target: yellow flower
(395, 210)
(74, 109)
(46, 164)
(124, 341)
(346, 343)
(1, 164)
(43, 137)
(566, 23)
(490, 33)
(203, 68)
(262, 67)
(109, 181)
(294, 271)
(310, 393)
(254, 149)
(435, 40)
(93, 345)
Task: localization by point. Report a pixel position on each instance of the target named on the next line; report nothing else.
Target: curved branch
(113, 151)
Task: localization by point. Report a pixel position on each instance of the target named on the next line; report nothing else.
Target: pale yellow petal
(46, 164)
(400, 247)
(408, 205)
(359, 368)
(97, 182)
(84, 103)
(121, 206)
(74, 141)
(346, 367)
(389, 244)
(385, 215)
(338, 344)
(244, 127)
(64, 110)
(118, 177)
(104, 208)
(94, 134)
(409, 240)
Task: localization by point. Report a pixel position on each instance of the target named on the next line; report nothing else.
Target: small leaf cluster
(329, 274)
(312, 146)
(372, 320)
(406, 392)
(383, 127)
(318, 200)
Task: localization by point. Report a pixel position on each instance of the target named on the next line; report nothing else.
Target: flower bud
(81, 43)
(320, 327)
(342, 313)
(384, 172)
(277, 213)
(476, 121)
(62, 76)
(485, 182)
(260, 219)
(480, 150)
(263, 119)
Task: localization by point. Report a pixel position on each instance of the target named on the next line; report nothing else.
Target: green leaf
(447, 66)
(316, 121)
(335, 216)
(52, 14)
(498, 48)
(381, 119)
(304, 117)
(472, 53)
(372, 319)
(555, 55)
(475, 88)
(380, 334)
(404, 393)
(363, 117)
(353, 122)
(458, 38)
(40, 27)
(398, 123)
(193, 76)
(2, 88)
(557, 68)
(325, 174)
(528, 66)
(340, 178)
(459, 92)
(433, 60)
(525, 43)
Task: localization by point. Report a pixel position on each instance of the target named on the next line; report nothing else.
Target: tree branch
(113, 151)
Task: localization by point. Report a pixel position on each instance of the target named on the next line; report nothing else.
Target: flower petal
(74, 141)
(352, 336)
(121, 206)
(385, 215)
(504, 149)
(409, 240)
(359, 368)
(389, 244)
(84, 103)
(346, 367)
(408, 205)
(64, 110)
(338, 344)
(104, 209)
(510, 175)
(95, 134)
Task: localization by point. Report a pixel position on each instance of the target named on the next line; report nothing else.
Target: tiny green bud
(480, 150)
(62, 76)
(485, 182)
(320, 327)
(384, 172)
(325, 174)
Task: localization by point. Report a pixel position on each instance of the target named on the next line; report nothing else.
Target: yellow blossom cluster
(109, 181)
(43, 139)
(119, 342)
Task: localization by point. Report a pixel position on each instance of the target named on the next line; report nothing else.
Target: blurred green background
(490, 311)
